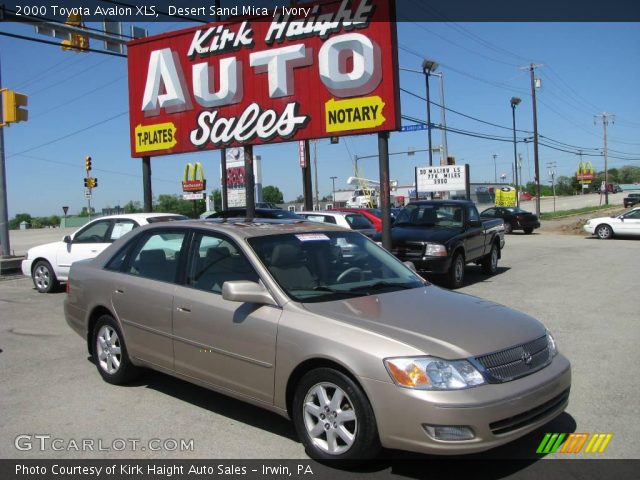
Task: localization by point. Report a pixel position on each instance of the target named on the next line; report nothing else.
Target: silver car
(359, 351)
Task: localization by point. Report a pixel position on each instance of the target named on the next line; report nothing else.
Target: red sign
(250, 81)
(194, 185)
(585, 176)
(302, 154)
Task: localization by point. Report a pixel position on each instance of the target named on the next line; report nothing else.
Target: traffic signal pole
(5, 246)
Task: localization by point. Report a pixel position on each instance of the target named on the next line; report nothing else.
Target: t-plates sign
(244, 81)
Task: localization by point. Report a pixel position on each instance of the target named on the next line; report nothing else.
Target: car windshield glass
(357, 221)
(332, 265)
(431, 215)
(283, 214)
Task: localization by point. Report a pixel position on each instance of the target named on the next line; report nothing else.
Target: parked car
(631, 200)
(48, 264)
(360, 353)
(622, 225)
(350, 220)
(260, 213)
(373, 214)
(441, 236)
(514, 218)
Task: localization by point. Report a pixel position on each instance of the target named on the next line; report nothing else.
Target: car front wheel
(455, 275)
(604, 232)
(333, 417)
(44, 278)
(110, 352)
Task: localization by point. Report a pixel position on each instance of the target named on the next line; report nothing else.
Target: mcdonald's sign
(585, 173)
(193, 178)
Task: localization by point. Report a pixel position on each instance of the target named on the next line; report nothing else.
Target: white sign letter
(164, 71)
(279, 64)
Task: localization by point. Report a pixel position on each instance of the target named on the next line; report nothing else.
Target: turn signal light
(409, 376)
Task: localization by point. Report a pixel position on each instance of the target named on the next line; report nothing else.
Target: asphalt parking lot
(585, 290)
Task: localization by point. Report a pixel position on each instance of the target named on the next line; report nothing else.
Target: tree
(15, 222)
(216, 199)
(299, 199)
(132, 207)
(272, 194)
(174, 204)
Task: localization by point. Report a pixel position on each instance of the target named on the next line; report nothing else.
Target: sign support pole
(307, 187)
(223, 179)
(467, 181)
(146, 184)
(249, 181)
(385, 200)
(5, 247)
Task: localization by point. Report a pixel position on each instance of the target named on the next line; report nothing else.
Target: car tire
(110, 352)
(490, 261)
(604, 232)
(528, 231)
(455, 275)
(333, 417)
(44, 278)
(508, 228)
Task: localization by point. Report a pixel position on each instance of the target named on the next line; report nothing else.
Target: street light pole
(514, 103)
(495, 169)
(429, 66)
(333, 187)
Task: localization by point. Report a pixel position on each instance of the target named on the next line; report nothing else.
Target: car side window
(214, 260)
(94, 233)
(157, 256)
(473, 214)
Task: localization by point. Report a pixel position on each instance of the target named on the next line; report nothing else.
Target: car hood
(603, 219)
(437, 322)
(402, 234)
(44, 248)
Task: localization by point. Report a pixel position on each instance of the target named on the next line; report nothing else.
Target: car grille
(510, 424)
(515, 362)
(409, 250)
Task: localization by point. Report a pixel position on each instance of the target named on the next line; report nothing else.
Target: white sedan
(49, 264)
(627, 223)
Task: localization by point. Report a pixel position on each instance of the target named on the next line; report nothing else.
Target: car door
(629, 224)
(228, 344)
(142, 295)
(86, 243)
(474, 235)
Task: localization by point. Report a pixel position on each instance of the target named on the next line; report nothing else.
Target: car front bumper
(429, 264)
(589, 229)
(26, 267)
(496, 413)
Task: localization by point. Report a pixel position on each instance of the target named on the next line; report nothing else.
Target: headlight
(551, 344)
(431, 373)
(435, 250)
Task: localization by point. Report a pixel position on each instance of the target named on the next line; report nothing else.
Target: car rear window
(357, 221)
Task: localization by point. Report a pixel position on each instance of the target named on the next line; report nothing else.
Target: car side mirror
(66, 239)
(244, 291)
(411, 266)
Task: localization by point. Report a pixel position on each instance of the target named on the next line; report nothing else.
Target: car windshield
(430, 215)
(332, 265)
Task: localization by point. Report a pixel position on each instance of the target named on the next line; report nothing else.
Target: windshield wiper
(382, 284)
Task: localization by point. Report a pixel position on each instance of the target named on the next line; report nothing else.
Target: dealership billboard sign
(443, 178)
(249, 81)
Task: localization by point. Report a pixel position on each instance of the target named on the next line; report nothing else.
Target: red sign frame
(255, 81)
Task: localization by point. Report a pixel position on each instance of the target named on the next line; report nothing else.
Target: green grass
(576, 211)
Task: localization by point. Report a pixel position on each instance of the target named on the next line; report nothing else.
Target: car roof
(326, 212)
(139, 216)
(246, 228)
(442, 202)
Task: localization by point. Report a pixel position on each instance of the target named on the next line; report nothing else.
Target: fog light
(449, 433)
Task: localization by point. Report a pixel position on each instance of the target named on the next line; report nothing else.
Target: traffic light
(87, 163)
(12, 103)
(335, 140)
(95, 182)
(78, 42)
(86, 182)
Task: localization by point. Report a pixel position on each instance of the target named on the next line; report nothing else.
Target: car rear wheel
(455, 275)
(333, 417)
(110, 353)
(604, 232)
(490, 262)
(44, 278)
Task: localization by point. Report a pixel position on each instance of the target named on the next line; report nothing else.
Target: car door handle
(183, 309)
(119, 291)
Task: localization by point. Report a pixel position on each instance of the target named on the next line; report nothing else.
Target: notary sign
(251, 81)
(443, 178)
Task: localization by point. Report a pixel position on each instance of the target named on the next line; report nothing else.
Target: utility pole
(604, 117)
(520, 169)
(532, 67)
(333, 188)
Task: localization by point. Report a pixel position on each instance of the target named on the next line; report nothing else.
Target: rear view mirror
(410, 266)
(66, 239)
(244, 291)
